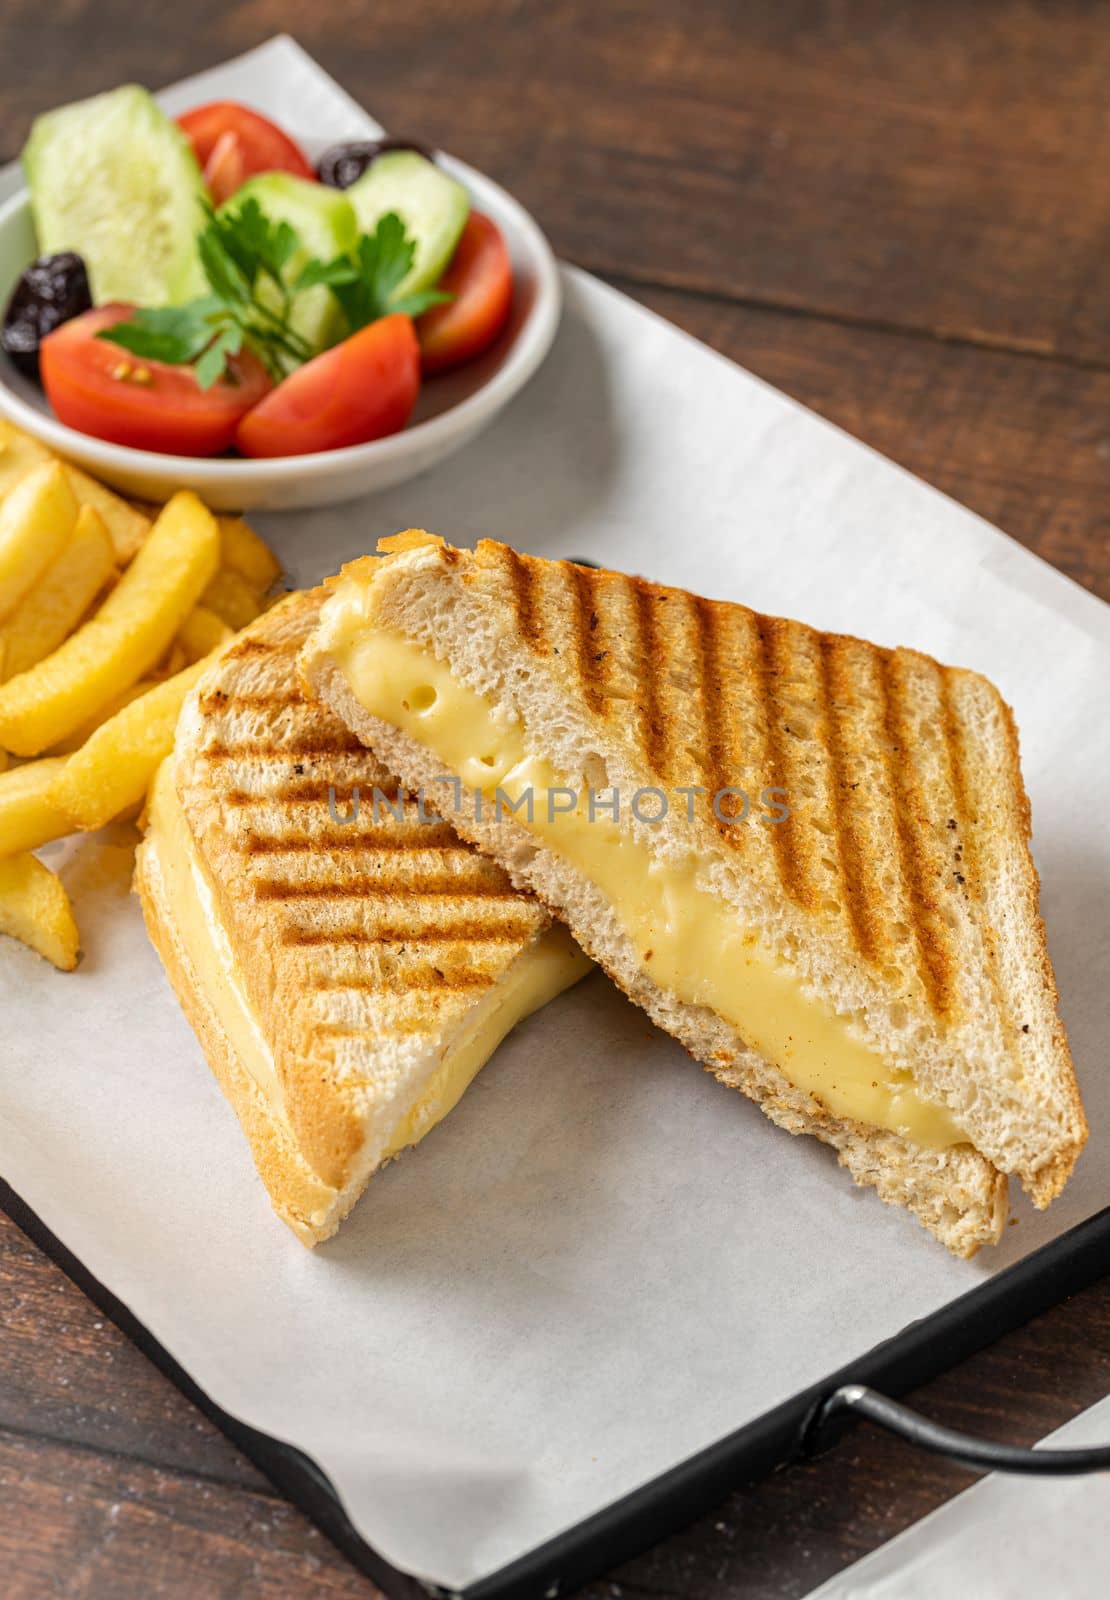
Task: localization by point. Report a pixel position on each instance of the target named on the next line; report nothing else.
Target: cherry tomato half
(480, 277)
(359, 390)
(103, 390)
(233, 143)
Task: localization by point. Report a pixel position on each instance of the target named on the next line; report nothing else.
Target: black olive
(51, 291)
(341, 164)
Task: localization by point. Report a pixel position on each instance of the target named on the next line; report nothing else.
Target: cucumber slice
(433, 207)
(114, 179)
(324, 222)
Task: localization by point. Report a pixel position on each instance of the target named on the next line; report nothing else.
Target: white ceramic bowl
(450, 411)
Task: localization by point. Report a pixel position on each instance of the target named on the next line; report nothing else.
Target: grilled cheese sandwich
(348, 979)
(872, 971)
(684, 936)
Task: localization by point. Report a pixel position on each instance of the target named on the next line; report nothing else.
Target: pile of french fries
(109, 613)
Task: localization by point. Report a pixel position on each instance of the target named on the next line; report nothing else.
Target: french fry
(233, 600)
(55, 604)
(114, 768)
(35, 909)
(36, 520)
(175, 661)
(246, 553)
(19, 452)
(127, 525)
(123, 640)
(202, 632)
(73, 741)
(28, 817)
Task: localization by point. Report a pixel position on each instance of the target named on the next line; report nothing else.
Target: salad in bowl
(203, 289)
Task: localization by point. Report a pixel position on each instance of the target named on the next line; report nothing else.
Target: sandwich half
(805, 856)
(347, 974)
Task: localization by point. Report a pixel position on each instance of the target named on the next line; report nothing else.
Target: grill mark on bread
(934, 954)
(328, 841)
(686, 683)
(588, 634)
(462, 931)
(399, 1027)
(251, 646)
(406, 980)
(316, 791)
(323, 742)
(371, 889)
(717, 729)
(786, 837)
(296, 794)
(966, 852)
(529, 615)
(218, 700)
(653, 725)
(859, 904)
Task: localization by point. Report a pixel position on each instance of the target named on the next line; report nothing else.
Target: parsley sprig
(365, 281)
(251, 295)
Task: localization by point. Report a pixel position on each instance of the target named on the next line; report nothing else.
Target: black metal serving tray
(629, 1525)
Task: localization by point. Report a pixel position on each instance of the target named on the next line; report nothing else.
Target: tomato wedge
(359, 390)
(225, 171)
(480, 277)
(100, 389)
(233, 143)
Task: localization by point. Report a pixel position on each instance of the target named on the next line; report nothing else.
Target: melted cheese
(537, 976)
(192, 905)
(551, 965)
(686, 938)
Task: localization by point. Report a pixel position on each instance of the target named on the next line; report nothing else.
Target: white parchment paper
(1005, 1538)
(603, 1261)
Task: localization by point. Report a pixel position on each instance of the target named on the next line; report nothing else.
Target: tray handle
(856, 1399)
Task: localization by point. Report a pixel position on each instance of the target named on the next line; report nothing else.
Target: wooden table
(897, 213)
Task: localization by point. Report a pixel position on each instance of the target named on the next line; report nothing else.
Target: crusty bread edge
(310, 1207)
(1003, 785)
(958, 1196)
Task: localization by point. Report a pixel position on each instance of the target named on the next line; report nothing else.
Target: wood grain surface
(897, 213)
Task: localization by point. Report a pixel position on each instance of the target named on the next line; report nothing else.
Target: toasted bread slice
(346, 978)
(898, 897)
